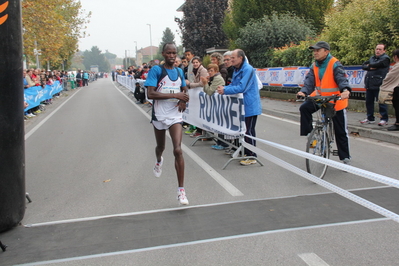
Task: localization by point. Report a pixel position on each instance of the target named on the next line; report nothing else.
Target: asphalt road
(91, 153)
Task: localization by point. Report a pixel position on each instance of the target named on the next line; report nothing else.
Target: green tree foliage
(259, 37)
(95, 57)
(109, 56)
(167, 37)
(354, 31)
(201, 25)
(242, 11)
(293, 55)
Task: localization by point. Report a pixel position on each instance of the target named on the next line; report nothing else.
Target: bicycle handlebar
(319, 99)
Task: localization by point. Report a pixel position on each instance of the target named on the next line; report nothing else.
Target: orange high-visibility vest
(327, 86)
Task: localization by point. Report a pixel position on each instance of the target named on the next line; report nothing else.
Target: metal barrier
(351, 169)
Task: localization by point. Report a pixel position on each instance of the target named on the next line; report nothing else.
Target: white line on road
(116, 253)
(207, 168)
(312, 259)
(33, 130)
(281, 119)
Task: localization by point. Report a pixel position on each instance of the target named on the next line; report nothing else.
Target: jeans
(371, 97)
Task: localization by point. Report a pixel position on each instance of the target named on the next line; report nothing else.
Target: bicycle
(321, 138)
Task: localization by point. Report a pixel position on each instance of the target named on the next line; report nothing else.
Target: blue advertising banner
(35, 95)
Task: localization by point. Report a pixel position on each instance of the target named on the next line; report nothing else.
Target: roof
(147, 50)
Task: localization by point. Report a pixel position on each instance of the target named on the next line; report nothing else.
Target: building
(144, 54)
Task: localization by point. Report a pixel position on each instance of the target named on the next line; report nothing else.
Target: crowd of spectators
(40, 78)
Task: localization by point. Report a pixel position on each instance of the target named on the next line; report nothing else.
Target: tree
(95, 57)
(201, 25)
(259, 37)
(242, 11)
(168, 37)
(55, 26)
(354, 31)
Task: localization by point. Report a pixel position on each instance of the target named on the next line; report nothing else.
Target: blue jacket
(245, 81)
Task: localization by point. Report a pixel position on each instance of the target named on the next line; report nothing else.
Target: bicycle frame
(321, 138)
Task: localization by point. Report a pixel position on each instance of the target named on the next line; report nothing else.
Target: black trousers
(340, 123)
(250, 123)
(395, 103)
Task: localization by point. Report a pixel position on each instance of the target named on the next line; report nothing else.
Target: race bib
(170, 89)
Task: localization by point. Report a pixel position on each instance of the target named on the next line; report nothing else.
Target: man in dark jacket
(377, 68)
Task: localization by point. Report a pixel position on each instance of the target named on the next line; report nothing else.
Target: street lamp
(136, 52)
(150, 41)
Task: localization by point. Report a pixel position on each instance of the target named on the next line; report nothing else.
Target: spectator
(213, 80)
(377, 68)
(25, 80)
(139, 93)
(230, 68)
(71, 79)
(178, 63)
(217, 58)
(389, 89)
(144, 73)
(210, 84)
(28, 78)
(185, 65)
(189, 54)
(198, 72)
(229, 78)
(245, 81)
(327, 77)
(79, 77)
(85, 78)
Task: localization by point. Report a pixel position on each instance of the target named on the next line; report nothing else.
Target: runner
(167, 87)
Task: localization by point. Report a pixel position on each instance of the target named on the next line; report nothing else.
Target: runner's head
(169, 52)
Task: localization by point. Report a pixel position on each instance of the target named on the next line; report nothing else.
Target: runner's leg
(176, 135)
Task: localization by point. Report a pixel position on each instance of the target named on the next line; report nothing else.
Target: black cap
(319, 45)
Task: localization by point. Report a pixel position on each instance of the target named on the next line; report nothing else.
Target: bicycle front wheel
(318, 144)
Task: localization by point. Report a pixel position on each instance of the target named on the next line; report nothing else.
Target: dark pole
(12, 142)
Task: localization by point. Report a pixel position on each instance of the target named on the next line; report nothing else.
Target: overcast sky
(115, 25)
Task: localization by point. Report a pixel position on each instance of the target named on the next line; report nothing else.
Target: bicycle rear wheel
(318, 144)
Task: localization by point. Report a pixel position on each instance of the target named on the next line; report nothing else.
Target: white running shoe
(158, 168)
(181, 197)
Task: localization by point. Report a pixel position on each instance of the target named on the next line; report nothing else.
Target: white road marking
(312, 259)
(33, 130)
(282, 119)
(102, 255)
(207, 168)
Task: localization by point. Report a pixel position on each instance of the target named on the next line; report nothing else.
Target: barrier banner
(295, 76)
(35, 95)
(221, 114)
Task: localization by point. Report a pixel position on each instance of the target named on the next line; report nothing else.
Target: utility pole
(37, 53)
(150, 42)
(124, 67)
(136, 53)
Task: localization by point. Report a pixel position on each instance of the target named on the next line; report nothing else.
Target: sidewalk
(290, 110)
